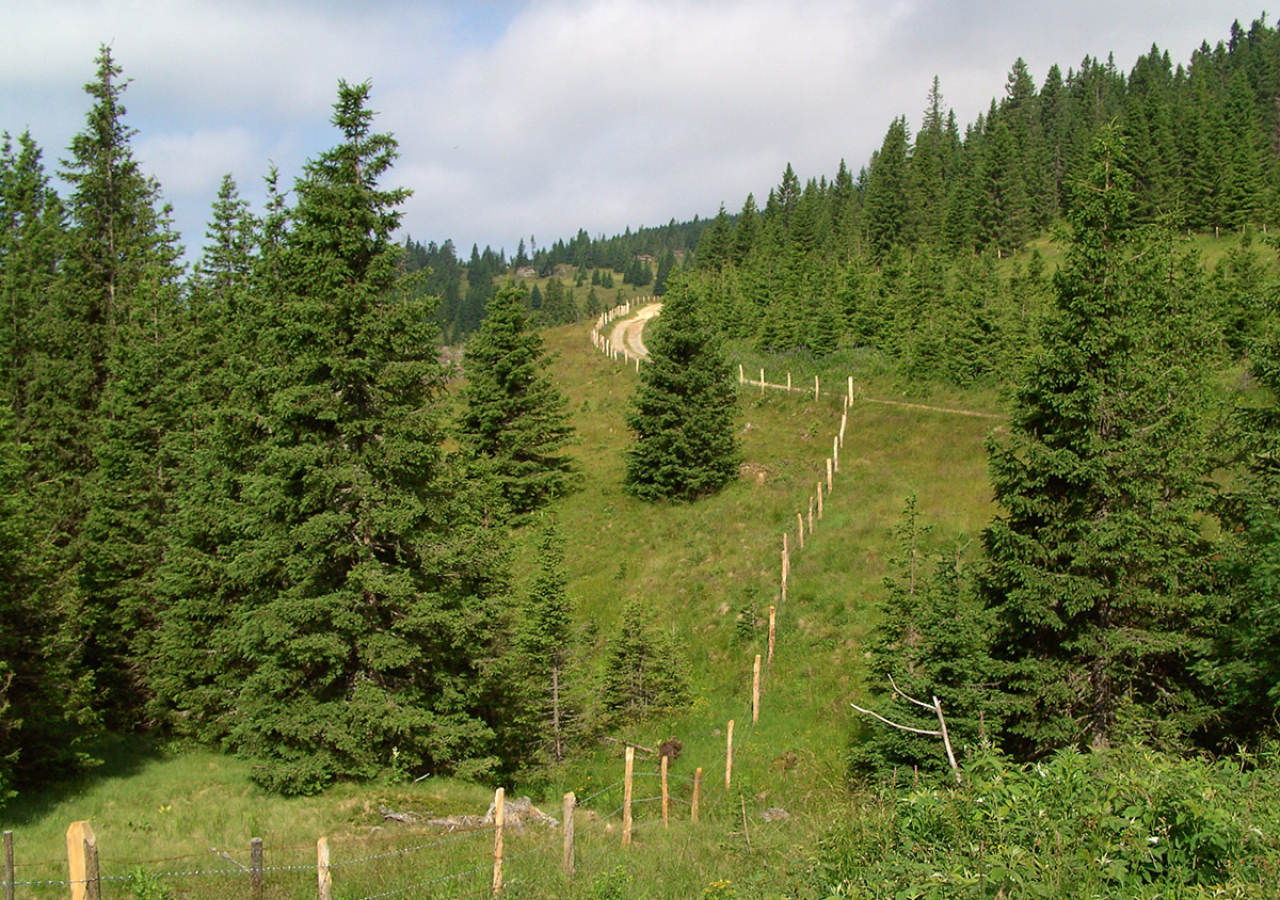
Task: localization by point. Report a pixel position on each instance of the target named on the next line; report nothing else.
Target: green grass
(699, 567)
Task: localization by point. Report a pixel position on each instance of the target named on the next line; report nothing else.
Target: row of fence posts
(822, 490)
(82, 844)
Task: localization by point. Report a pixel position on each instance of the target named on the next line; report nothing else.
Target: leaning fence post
(728, 758)
(626, 796)
(499, 819)
(82, 862)
(255, 867)
(570, 801)
(9, 878)
(324, 877)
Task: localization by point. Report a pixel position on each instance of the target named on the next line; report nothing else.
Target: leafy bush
(1123, 823)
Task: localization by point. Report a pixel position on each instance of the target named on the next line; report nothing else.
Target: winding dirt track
(629, 333)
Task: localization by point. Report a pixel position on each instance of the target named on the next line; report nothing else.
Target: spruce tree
(515, 418)
(373, 565)
(1095, 569)
(644, 669)
(682, 413)
(542, 643)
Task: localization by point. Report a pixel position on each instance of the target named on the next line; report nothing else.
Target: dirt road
(628, 334)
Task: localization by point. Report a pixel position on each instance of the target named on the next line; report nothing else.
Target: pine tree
(644, 670)
(931, 641)
(1095, 570)
(372, 564)
(682, 413)
(112, 347)
(543, 639)
(515, 417)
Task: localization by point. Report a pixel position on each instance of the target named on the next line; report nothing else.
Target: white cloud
(545, 116)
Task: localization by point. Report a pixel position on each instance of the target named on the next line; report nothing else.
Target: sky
(531, 119)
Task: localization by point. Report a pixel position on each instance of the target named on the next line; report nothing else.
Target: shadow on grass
(118, 756)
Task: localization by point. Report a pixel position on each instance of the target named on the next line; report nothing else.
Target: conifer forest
(302, 500)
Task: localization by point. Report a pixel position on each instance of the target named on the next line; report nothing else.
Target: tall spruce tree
(107, 384)
(373, 566)
(515, 418)
(682, 413)
(1096, 569)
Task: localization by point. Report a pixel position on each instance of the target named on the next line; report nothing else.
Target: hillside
(707, 571)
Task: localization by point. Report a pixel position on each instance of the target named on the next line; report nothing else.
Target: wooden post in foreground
(570, 801)
(762, 381)
(773, 630)
(815, 387)
(666, 797)
(819, 501)
(9, 867)
(741, 375)
(851, 390)
(697, 794)
(835, 452)
(728, 758)
(255, 867)
(324, 877)
(755, 691)
(499, 820)
(800, 529)
(811, 515)
(828, 476)
(626, 796)
(82, 862)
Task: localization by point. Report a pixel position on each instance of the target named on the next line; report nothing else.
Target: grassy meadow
(709, 571)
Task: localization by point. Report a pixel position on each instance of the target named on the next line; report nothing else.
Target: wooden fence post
(819, 501)
(570, 801)
(773, 630)
(788, 382)
(851, 390)
(82, 862)
(742, 376)
(728, 758)
(828, 476)
(762, 381)
(499, 820)
(835, 452)
(666, 797)
(626, 796)
(697, 794)
(844, 420)
(800, 529)
(9, 868)
(255, 867)
(811, 515)
(324, 877)
(755, 691)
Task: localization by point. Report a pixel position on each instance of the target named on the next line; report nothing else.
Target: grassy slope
(699, 566)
